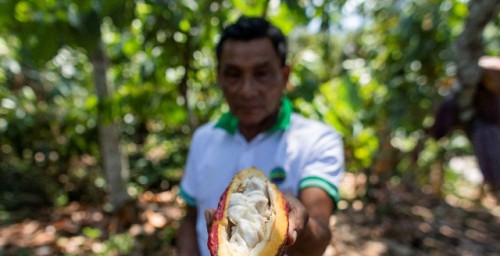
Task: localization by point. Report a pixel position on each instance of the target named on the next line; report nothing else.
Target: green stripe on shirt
(189, 199)
(318, 182)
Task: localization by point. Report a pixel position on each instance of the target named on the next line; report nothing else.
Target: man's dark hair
(248, 28)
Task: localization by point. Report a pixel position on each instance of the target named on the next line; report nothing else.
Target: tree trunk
(114, 163)
(437, 177)
(386, 158)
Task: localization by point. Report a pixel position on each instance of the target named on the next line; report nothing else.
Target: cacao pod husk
(251, 218)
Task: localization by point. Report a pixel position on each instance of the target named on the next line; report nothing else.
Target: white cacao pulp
(249, 211)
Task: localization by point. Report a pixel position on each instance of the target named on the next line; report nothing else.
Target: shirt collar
(229, 122)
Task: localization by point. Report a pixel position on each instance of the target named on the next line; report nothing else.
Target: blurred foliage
(375, 70)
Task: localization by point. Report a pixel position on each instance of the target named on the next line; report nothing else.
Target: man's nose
(248, 87)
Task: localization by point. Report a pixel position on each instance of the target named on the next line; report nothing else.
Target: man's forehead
(255, 52)
(251, 64)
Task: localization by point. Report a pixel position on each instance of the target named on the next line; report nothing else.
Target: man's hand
(209, 218)
(297, 218)
(309, 216)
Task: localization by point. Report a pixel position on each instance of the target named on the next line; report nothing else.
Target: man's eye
(232, 74)
(262, 73)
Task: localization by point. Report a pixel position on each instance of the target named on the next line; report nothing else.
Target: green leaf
(250, 7)
(184, 25)
(24, 12)
(92, 232)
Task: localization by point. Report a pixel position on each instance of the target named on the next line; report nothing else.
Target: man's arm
(187, 238)
(310, 219)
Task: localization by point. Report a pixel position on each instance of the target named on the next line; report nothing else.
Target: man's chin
(249, 120)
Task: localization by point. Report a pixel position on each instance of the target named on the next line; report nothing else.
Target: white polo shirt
(295, 153)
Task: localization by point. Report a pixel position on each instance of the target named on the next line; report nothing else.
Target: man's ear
(286, 73)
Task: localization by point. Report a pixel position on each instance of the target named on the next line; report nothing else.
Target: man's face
(252, 79)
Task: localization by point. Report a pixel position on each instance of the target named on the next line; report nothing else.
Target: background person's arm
(310, 219)
(187, 239)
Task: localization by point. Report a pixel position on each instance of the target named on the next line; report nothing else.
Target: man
(303, 157)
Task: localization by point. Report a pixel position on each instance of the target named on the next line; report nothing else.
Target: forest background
(98, 101)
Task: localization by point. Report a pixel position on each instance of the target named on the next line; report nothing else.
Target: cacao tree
(374, 70)
(43, 30)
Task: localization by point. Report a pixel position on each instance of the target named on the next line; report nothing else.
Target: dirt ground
(402, 222)
(392, 220)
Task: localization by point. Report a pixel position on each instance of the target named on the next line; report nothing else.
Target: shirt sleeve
(325, 166)
(188, 186)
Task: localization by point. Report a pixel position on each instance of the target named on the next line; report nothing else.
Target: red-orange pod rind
(235, 229)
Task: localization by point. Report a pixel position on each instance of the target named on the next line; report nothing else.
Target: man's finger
(298, 218)
(209, 215)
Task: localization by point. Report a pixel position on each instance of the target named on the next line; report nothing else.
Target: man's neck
(251, 131)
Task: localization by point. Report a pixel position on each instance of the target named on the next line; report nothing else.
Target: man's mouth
(249, 108)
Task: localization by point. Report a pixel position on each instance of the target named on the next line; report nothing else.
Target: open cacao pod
(251, 218)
